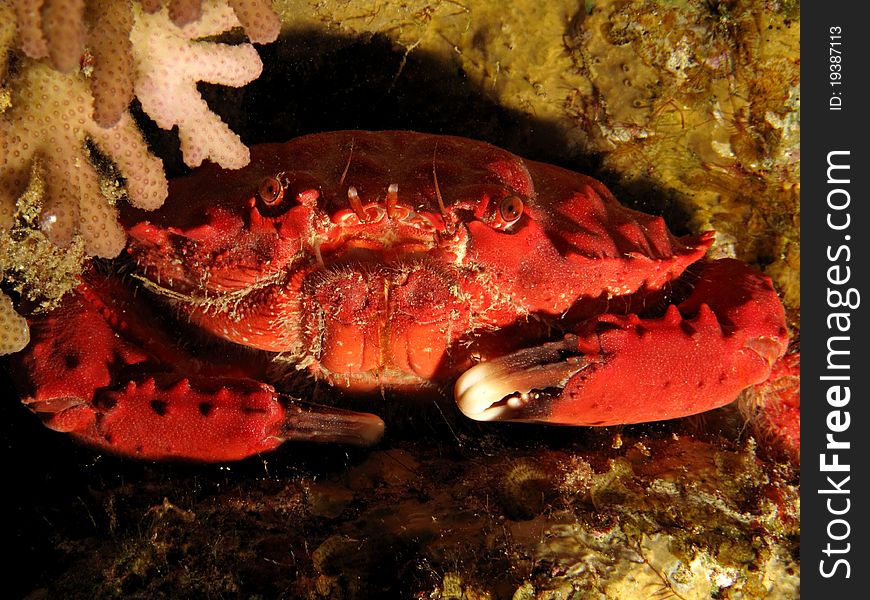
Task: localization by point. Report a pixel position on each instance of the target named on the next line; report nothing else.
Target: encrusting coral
(77, 65)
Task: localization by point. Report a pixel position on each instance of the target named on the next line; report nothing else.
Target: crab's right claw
(621, 369)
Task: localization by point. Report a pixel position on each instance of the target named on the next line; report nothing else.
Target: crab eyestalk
(356, 204)
(392, 200)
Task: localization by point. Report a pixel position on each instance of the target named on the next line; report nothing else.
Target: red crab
(373, 260)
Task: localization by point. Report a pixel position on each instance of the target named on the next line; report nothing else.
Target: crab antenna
(448, 222)
(317, 253)
(356, 204)
(392, 199)
(347, 165)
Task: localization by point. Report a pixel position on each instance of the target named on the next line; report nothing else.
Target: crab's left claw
(619, 369)
(104, 368)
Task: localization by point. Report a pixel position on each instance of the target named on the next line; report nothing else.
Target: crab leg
(101, 369)
(620, 369)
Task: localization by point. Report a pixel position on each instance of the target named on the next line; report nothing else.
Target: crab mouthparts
(518, 386)
(385, 211)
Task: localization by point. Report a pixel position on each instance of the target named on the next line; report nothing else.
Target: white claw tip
(504, 388)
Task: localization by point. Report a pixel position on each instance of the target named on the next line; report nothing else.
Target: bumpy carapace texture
(395, 259)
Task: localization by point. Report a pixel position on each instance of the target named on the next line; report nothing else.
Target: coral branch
(50, 119)
(259, 20)
(167, 31)
(63, 24)
(169, 62)
(183, 12)
(261, 23)
(151, 6)
(30, 36)
(14, 334)
(7, 37)
(110, 23)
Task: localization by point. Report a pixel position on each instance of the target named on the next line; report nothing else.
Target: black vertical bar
(835, 243)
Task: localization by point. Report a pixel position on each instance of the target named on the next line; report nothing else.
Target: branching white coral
(169, 63)
(52, 114)
(261, 23)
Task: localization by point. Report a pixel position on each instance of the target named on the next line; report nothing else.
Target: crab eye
(510, 209)
(271, 191)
